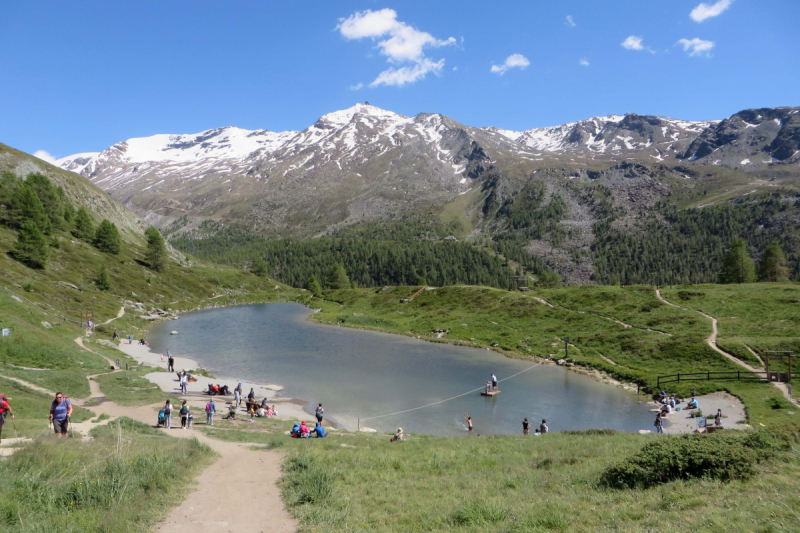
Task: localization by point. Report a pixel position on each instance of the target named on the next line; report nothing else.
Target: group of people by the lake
(670, 404)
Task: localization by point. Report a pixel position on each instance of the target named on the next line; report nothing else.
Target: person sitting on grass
(398, 435)
(232, 412)
(304, 431)
(295, 433)
(319, 430)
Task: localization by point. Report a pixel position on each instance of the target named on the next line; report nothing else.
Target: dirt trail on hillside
(712, 342)
(620, 322)
(238, 492)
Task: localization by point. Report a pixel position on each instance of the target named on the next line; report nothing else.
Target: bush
(779, 402)
(718, 456)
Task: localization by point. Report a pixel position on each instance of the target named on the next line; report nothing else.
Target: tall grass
(125, 479)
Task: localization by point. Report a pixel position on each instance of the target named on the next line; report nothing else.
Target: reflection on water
(362, 374)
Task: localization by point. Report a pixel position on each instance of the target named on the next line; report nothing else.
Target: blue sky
(79, 76)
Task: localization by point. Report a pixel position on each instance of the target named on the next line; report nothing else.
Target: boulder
(46, 325)
(561, 362)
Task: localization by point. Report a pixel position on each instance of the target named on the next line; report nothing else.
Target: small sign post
(6, 332)
(566, 347)
(701, 422)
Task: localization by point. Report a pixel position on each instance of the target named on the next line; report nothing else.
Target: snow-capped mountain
(361, 163)
(657, 137)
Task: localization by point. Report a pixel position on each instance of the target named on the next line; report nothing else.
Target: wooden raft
(490, 393)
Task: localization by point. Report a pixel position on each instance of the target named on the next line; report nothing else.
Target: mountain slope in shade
(753, 138)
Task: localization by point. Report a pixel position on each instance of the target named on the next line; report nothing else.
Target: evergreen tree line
(37, 209)
(367, 261)
(699, 245)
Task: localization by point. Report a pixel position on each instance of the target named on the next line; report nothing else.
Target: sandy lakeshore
(287, 408)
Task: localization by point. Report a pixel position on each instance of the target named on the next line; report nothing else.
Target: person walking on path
(543, 427)
(526, 427)
(60, 411)
(718, 418)
(184, 414)
(5, 409)
(168, 414)
(130, 339)
(469, 422)
(320, 412)
(170, 362)
(237, 395)
(494, 383)
(184, 382)
(211, 408)
(659, 423)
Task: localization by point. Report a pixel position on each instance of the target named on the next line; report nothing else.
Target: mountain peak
(343, 117)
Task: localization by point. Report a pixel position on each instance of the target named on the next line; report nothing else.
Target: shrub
(779, 402)
(718, 456)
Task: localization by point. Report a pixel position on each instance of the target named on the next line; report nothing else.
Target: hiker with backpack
(168, 414)
(320, 413)
(60, 412)
(184, 414)
(4, 409)
(211, 408)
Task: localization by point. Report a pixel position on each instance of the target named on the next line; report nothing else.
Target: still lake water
(356, 373)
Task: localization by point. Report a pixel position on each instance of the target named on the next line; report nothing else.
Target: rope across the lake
(448, 399)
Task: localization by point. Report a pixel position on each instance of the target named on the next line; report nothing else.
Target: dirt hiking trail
(238, 493)
(712, 342)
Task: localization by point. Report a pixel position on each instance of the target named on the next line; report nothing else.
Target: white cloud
(44, 156)
(512, 61)
(633, 43)
(455, 68)
(696, 47)
(570, 22)
(411, 74)
(356, 87)
(584, 62)
(706, 11)
(398, 41)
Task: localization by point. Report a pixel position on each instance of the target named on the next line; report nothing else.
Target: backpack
(208, 407)
(184, 411)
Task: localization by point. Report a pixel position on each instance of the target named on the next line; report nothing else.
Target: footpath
(712, 342)
(237, 493)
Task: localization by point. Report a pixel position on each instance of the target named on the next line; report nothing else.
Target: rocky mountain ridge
(364, 162)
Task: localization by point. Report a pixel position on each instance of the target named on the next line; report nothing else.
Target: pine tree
(84, 228)
(69, 210)
(52, 201)
(337, 278)
(107, 238)
(313, 286)
(156, 254)
(103, 281)
(8, 184)
(31, 246)
(26, 205)
(259, 268)
(737, 267)
(773, 265)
